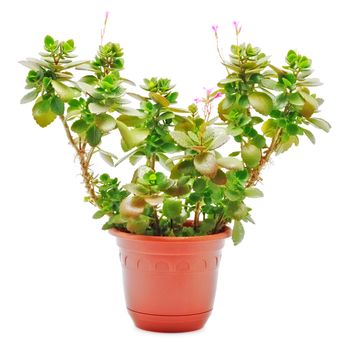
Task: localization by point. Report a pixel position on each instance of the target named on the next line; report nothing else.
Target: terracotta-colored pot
(170, 282)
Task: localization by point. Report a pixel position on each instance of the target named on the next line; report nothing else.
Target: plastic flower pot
(170, 282)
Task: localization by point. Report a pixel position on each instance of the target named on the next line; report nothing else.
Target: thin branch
(84, 160)
(69, 135)
(255, 174)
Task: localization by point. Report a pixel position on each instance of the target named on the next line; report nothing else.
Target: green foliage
(180, 173)
(110, 195)
(172, 208)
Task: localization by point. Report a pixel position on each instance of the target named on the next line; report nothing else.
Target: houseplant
(171, 218)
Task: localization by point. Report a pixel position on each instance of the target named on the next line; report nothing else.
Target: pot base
(169, 323)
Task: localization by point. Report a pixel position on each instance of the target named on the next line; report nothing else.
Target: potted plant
(192, 168)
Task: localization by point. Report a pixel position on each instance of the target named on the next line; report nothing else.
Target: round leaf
(220, 178)
(261, 102)
(205, 163)
(132, 207)
(269, 128)
(199, 185)
(93, 136)
(105, 122)
(57, 105)
(79, 126)
(138, 225)
(42, 113)
(172, 208)
(251, 155)
(65, 92)
(237, 232)
(131, 137)
(253, 192)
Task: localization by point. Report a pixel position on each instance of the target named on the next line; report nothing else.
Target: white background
(285, 287)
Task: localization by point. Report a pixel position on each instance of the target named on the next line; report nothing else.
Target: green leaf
(261, 102)
(182, 139)
(99, 214)
(105, 122)
(269, 127)
(320, 123)
(296, 99)
(292, 129)
(172, 97)
(165, 161)
(57, 105)
(269, 84)
(65, 92)
(161, 100)
(131, 137)
(234, 131)
(93, 136)
(199, 185)
(138, 225)
(42, 112)
(31, 96)
(205, 163)
(230, 163)
(172, 208)
(230, 79)
(166, 115)
(233, 195)
(253, 192)
(309, 135)
(131, 121)
(207, 226)
(97, 108)
(310, 82)
(49, 42)
(183, 168)
(68, 46)
(117, 219)
(286, 144)
(79, 126)
(251, 155)
(136, 189)
(219, 138)
(107, 158)
(310, 105)
(259, 141)
(237, 232)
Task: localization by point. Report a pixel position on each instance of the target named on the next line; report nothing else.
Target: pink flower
(215, 27)
(218, 94)
(209, 91)
(198, 100)
(237, 26)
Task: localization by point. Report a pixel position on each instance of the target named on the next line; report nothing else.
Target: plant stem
(196, 216)
(84, 160)
(171, 234)
(219, 223)
(156, 221)
(219, 52)
(255, 174)
(151, 161)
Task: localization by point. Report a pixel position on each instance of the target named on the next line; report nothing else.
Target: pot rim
(136, 237)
